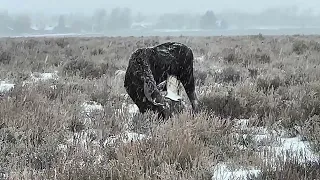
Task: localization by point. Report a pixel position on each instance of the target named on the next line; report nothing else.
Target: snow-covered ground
(272, 143)
(273, 146)
(34, 77)
(223, 172)
(5, 86)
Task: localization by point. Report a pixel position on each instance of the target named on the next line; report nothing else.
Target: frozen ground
(272, 147)
(271, 143)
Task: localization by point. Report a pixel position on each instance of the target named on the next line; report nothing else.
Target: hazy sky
(151, 6)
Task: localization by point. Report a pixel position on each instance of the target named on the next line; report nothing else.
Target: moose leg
(186, 77)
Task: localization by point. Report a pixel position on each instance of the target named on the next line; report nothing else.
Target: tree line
(103, 21)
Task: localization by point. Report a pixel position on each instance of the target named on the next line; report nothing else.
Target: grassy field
(67, 115)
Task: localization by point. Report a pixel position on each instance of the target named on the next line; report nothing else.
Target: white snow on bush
(5, 87)
(88, 108)
(275, 148)
(83, 139)
(199, 59)
(125, 137)
(35, 77)
(38, 77)
(133, 109)
(224, 172)
(91, 106)
(291, 149)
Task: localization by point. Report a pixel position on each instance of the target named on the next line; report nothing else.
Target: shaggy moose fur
(149, 67)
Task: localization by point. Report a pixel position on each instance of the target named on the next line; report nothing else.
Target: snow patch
(272, 147)
(35, 77)
(292, 149)
(133, 109)
(200, 59)
(38, 77)
(83, 139)
(5, 87)
(91, 106)
(125, 137)
(222, 172)
(88, 108)
(279, 146)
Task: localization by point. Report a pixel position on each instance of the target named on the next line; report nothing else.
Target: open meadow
(64, 113)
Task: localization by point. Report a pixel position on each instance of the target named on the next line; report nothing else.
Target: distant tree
(171, 21)
(208, 20)
(81, 25)
(61, 22)
(120, 19)
(126, 18)
(21, 23)
(4, 19)
(99, 19)
(61, 28)
(5, 23)
(139, 17)
(177, 21)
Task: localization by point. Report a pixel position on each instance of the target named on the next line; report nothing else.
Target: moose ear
(162, 85)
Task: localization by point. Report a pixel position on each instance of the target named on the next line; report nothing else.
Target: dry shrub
(184, 147)
(261, 57)
(62, 42)
(271, 80)
(98, 51)
(85, 68)
(260, 37)
(314, 46)
(101, 96)
(200, 76)
(253, 72)
(299, 47)
(240, 55)
(310, 100)
(34, 126)
(302, 46)
(266, 108)
(107, 89)
(229, 55)
(5, 57)
(311, 129)
(297, 76)
(27, 107)
(222, 104)
(175, 149)
(291, 170)
(252, 101)
(31, 44)
(228, 74)
(30, 118)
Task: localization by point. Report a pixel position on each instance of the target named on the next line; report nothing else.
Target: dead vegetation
(274, 81)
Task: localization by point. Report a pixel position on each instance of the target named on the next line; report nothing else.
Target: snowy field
(272, 143)
(238, 137)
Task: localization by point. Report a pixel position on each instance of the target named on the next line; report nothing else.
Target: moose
(148, 71)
